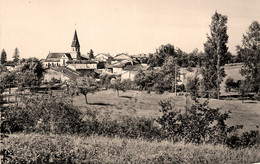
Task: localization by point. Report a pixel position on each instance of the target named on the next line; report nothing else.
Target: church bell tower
(75, 54)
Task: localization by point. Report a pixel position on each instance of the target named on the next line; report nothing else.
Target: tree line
(211, 62)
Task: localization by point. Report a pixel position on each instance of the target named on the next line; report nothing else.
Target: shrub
(126, 126)
(43, 113)
(202, 124)
(231, 84)
(192, 85)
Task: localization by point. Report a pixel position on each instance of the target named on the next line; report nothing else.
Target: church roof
(75, 41)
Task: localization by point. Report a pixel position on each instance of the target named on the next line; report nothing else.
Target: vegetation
(117, 85)
(3, 57)
(42, 113)
(164, 78)
(86, 85)
(193, 85)
(36, 148)
(202, 124)
(16, 55)
(250, 53)
(231, 84)
(91, 54)
(164, 51)
(216, 53)
(29, 74)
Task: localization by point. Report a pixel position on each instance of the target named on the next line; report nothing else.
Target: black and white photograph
(130, 81)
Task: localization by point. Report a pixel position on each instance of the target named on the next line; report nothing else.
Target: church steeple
(75, 43)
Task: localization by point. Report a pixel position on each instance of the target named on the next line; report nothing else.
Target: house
(56, 59)
(122, 56)
(60, 73)
(184, 75)
(127, 70)
(106, 58)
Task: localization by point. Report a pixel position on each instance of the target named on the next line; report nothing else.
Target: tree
(216, 53)
(7, 79)
(91, 54)
(170, 73)
(228, 58)
(157, 59)
(250, 54)
(117, 85)
(192, 85)
(3, 57)
(86, 85)
(30, 73)
(105, 80)
(144, 80)
(16, 55)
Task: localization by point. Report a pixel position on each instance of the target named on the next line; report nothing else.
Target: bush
(43, 113)
(192, 86)
(202, 124)
(125, 127)
(231, 84)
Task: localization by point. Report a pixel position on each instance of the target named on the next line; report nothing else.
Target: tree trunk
(9, 92)
(218, 69)
(117, 93)
(71, 99)
(86, 99)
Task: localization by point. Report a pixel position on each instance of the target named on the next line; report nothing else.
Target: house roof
(119, 65)
(104, 55)
(57, 55)
(75, 41)
(122, 54)
(136, 67)
(133, 67)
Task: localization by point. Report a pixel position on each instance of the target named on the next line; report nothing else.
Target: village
(129, 82)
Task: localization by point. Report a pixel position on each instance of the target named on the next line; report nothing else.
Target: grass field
(36, 148)
(233, 72)
(136, 103)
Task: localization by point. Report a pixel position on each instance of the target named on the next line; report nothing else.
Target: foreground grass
(36, 148)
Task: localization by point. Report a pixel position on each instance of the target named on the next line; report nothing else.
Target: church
(73, 59)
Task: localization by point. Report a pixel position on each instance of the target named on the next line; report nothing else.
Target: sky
(37, 27)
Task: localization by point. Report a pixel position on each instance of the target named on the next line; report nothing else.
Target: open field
(36, 148)
(232, 71)
(136, 103)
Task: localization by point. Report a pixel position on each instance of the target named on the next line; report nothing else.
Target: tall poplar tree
(216, 53)
(250, 54)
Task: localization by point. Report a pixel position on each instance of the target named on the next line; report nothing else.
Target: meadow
(137, 103)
